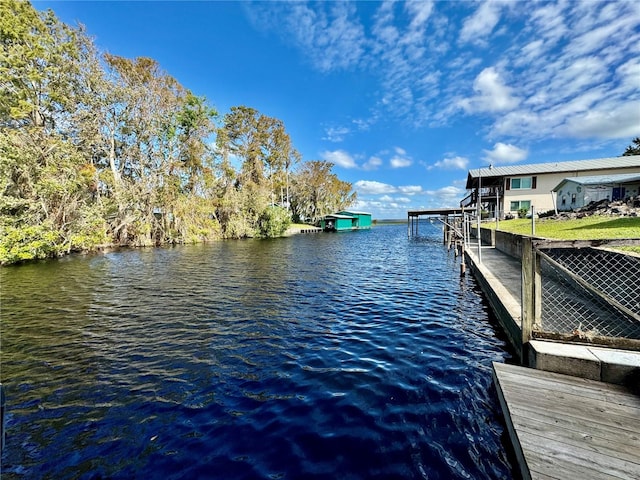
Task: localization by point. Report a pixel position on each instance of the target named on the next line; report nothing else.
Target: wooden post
(444, 229)
(533, 220)
(531, 294)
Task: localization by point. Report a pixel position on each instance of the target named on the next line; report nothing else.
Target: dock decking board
(564, 427)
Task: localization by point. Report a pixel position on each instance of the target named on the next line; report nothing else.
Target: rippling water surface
(358, 355)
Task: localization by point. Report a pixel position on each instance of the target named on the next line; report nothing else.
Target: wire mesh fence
(589, 293)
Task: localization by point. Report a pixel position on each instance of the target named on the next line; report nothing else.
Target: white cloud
(336, 134)
(401, 159)
(330, 34)
(396, 200)
(410, 189)
(629, 73)
(420, 11)
(563, 69)
(339, 158)
(372, 164)
(492, 95)
(453, 163)
(364, 124)
(481, 23)
(447, 193)
(370, 187)
(400, 162)
(505, 153)
(606, 121)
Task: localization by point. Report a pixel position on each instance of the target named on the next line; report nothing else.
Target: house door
(618, 193)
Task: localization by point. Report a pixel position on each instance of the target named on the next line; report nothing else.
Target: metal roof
(557, 167)
(354, 212)
(435, 211)
(337, 215)
(601, 179)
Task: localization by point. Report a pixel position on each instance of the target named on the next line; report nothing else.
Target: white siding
(542, 197)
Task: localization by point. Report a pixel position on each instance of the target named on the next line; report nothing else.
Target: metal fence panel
(590, 292)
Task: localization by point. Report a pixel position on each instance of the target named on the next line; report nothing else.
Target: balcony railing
(488, 194)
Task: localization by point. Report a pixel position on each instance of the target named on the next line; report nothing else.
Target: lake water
(356, 355)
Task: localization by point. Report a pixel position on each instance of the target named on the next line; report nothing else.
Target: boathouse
(345, 221)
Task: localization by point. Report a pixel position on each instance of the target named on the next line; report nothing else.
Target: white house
(505, 190)
(576, 192)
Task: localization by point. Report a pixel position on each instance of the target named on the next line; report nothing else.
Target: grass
(588, 228)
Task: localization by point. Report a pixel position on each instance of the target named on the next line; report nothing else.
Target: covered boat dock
(413, 217)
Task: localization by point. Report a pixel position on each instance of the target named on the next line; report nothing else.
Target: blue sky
(404, 97)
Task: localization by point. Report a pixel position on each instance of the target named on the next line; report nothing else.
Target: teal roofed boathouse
(345, 221)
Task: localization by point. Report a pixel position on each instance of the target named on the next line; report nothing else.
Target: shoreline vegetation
(99, 150)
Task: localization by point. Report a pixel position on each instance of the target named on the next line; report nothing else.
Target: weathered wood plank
(543, 466)
(566, 427)
(593, 440)
(571, 463)
(556, 402)
(564, 383)
(578, 424)
(586, 404)
(513, 435)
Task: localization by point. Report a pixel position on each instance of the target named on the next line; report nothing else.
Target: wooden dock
(563, 427)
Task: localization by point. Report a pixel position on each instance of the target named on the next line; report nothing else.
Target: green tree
(46, 185)
(262, 150)
(39, 64)
(274, 221)
(99, 148)
(157, 153)
(317, 191)
(633, 149)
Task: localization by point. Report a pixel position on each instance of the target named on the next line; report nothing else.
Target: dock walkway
(500, 278)
(565, 421)
(563, 427)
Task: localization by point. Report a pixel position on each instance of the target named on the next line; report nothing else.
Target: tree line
(97, 149)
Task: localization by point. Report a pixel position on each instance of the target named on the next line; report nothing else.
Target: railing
(487, 194)
(581, 291)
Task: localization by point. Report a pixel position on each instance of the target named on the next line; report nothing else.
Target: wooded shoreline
(97, 149)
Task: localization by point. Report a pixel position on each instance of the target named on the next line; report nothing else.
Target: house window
(523, 183)
(573, 198)
(517, 205)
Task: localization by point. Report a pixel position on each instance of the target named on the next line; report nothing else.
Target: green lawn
(588, 228)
